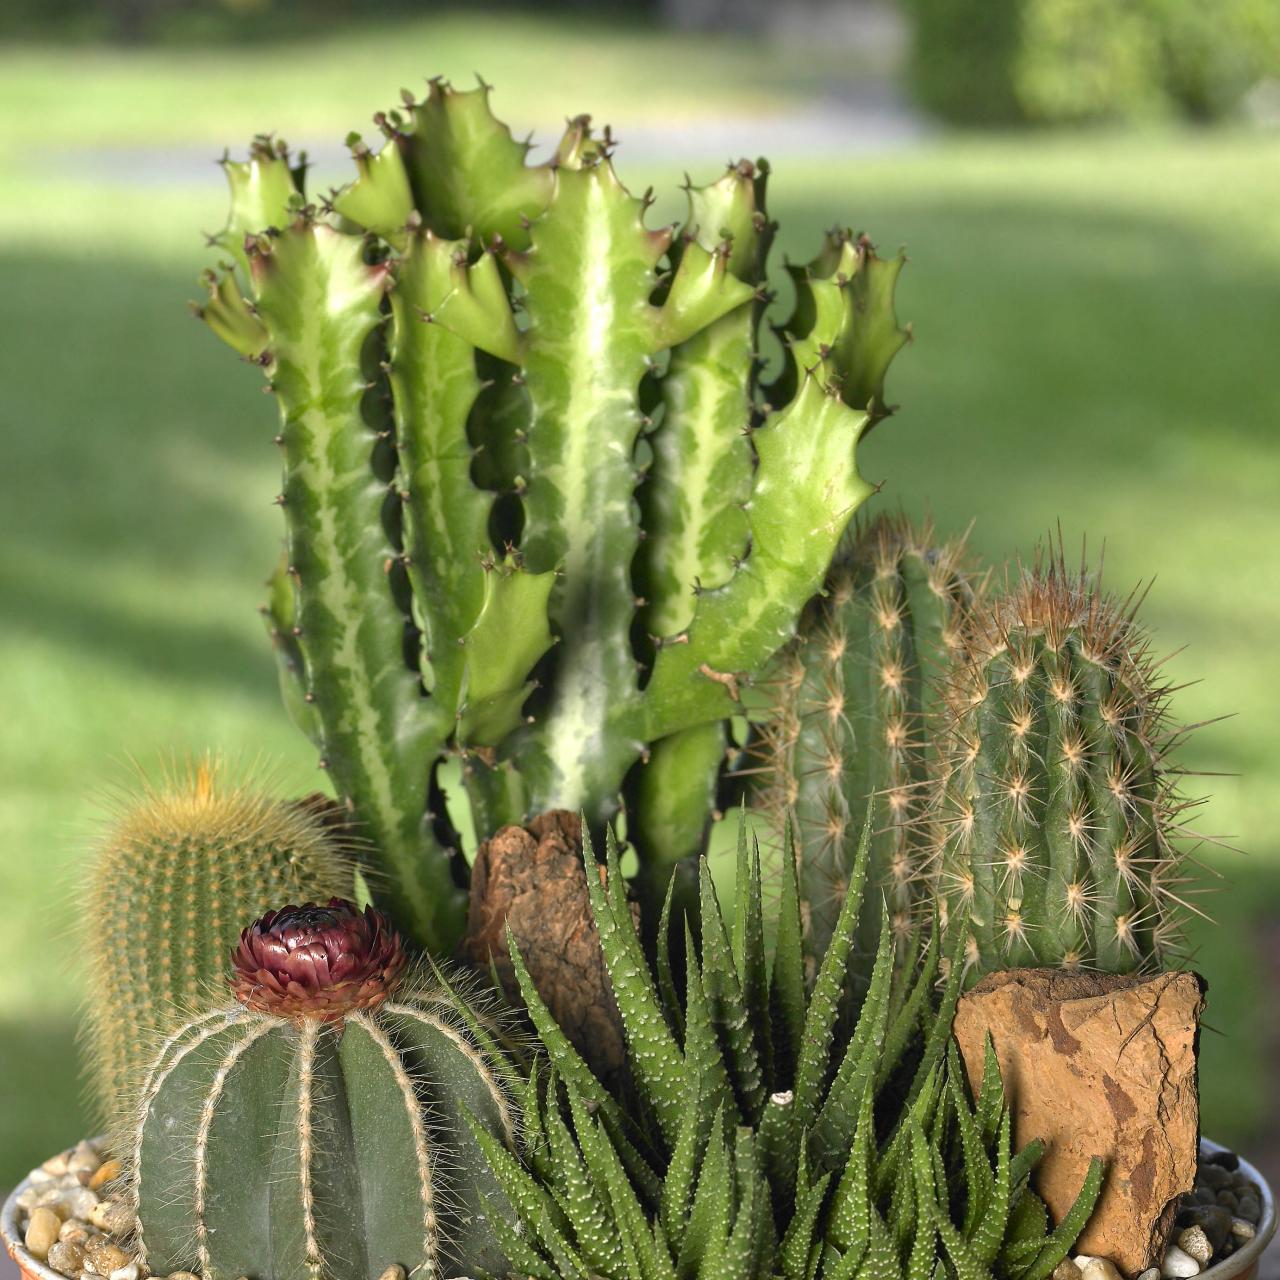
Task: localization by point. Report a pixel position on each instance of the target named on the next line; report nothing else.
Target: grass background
(1096, 322)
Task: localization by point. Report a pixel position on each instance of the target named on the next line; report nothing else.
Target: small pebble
(1082, 1260)
(104, 1256)
(1227, 1159)
(27, 1198)
(183, 1275)
(1194, 1241)
(1178, 1265)
(40, 1177)
(80, 1203)
(1228, 1199)
(112, 1216)
(1242, 1229)
(1214, 1220)
(393, 1272)
(67, 1258)
(42, 1231)
(1066, 1270)
(1249, 1207)
(73, 1232)
(1204, 1195)
(1214, 1176)
(1101, 1269)
(1151, 1273)
(129, 1272)
(84, 1162)
(57, 1165)
(107, 1171)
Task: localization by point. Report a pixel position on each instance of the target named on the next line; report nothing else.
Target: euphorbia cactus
(517, 529)
(853, 717)
(325, 1125)
(1056, 812)
(185, 862)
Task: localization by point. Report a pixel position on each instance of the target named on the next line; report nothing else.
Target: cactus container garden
(567, 562)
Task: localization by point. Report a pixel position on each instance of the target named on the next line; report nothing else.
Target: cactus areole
(540, 515)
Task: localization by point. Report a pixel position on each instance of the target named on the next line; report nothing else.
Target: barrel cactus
(1056, 812)
(324, 1125)
(186, 860)
(537, 515)
(854, 703)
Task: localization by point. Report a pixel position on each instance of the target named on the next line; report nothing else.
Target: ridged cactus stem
(1056, 818)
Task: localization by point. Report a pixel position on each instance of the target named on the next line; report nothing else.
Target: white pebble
(57, 1165)
(1151, 1273)
(1101, 1269)
(1243, 1229)
(1066, 1270)
(125, 1273)
(1082, 1260)
(41, 1177)
(27, 1199)
(1195, 1243)
(1178, 1265)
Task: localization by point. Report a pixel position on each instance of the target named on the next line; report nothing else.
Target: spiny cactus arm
(467, 173)
(266, 192)
(320, 303)
(379, 200)
(434, 390)
(229, 315)
(807, 488)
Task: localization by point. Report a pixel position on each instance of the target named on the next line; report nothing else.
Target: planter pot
(1241, 1265)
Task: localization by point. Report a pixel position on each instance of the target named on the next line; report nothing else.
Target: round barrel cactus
(323, 1125)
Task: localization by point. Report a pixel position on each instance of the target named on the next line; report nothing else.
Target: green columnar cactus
(323, 1126)
(1056, 811)
(855, 696)
(185, 862)
(517, 529)
(749, 1149)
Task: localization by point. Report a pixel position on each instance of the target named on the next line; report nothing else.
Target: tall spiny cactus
(1056, 814)
(852, 718)
(325, 1125)
(750, 1149)
(186, 861)
(421, 607)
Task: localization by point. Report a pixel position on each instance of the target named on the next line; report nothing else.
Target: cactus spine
(460, 495)
(186, 862)
(1056, 814)
(855, 698)
(299, 1145)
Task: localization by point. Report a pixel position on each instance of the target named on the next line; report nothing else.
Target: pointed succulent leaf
(477, 309)
(707, 1079)
(799, 1238)
(229, 316)
(787, 1000)
(1064, 1235)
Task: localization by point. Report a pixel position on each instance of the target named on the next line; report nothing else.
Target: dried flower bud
(317, 961)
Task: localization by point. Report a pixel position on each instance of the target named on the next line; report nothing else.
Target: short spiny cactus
(1057, 813)
(750, 1147)
(186, 862)
(537, 514)
(854, 705)
(324, 1125)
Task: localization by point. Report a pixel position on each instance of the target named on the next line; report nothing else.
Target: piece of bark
(531, 880)
(1098, 1065)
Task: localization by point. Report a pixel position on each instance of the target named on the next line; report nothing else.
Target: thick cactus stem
(1056, 818)
(853, 717)
(488, 449)
(307, 1149)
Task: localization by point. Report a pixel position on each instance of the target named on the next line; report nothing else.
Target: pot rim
(1243, 1261)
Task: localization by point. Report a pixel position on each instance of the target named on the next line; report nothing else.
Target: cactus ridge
(310, 1149)
(186, 860)
(538, 512)
(1057, 822)
(852, 713)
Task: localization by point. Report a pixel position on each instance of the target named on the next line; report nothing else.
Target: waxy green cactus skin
(1057, 811)
(302, 1150)
(519, 530)
(853, 717)
(186, 860)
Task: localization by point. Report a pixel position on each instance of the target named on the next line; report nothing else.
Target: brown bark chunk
(1098, 1064)
(531, 880)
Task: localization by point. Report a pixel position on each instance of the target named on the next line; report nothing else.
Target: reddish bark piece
(531, 880)
(1098, 1064)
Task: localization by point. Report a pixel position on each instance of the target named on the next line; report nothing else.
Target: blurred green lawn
(1096, 324)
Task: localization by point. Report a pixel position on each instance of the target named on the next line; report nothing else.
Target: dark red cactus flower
(317, 962)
